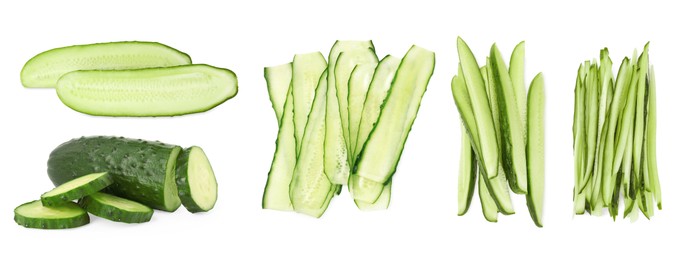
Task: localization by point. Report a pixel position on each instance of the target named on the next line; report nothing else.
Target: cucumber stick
(278, 81)
(167, 91)
(651, 139)
(196, 182)
(277, 190)
(535, 149)
(517, 77)
(76, 189)
(382, 150)
(115, 208)
(468, 175)
(306, 71)
(142, 171)
(44, 69)
(489, 207)
(35, 215)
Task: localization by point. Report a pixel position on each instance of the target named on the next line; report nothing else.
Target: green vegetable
(278, 81)
(306, 71)
(76, 189)
(167, 91)
(196, 182)
(468, 175)
(44, 69)
(115, 208)
(535, 149)
(35, 215)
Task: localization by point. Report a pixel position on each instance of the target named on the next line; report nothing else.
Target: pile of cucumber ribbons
(342, 122)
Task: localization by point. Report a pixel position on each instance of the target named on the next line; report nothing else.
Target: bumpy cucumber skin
(178, 58)
(29, 222)
(110, 212)
(138, 167)
(182, 179)
(96, 185)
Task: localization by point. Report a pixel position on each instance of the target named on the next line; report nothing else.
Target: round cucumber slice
(115, 208)
(76, 189)
(196, 183)
(35, 215)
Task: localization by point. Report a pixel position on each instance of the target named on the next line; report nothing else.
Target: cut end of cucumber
(197, 186)
(76, 189)
(170, 190)
(35, 215)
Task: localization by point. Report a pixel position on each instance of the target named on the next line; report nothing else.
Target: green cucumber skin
(78, 193)
(182, 180)
(138, 167)
(31, 72)
(72, 86)
(44, 223)
(110, 212)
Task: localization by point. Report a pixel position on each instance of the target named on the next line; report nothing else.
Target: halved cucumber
(115, 208)
(35, 215)
(167, 91)
(196, 183)
(535, 150)
(76, 189)
(44, 69)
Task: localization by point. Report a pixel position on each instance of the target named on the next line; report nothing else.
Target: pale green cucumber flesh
(517, 77)
(381, 203)
(196, 182)
(278, 80)
(76, 189)
(535, 150)
(277, 191)
(489, 207)
(306, 71)
(358, 86)
(468, 175)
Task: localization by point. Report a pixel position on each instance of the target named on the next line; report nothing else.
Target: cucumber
(365, 190)
(381, 203)
(358, 85)
(115, 208)
(167, 91)
(44, 69)
(142, 171)
(382, 151)
(535, 149)
(76, 189)
(651, 139)
(278, 81)
(517, 77)
(468, 175)
(277, 191)
(489, 207)
(306, 71)
(35, 215)
(196, 182)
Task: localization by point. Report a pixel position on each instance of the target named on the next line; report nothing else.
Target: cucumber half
(76, 189)
(167, 91)
(196, 183)
(44, 69)
(35, 215)
(115, 208)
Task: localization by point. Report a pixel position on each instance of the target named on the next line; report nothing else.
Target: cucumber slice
(307, 69)
(35, 215)
(76, 189)
(382, 151)
(196, 182)
(278, 81)
(44, 69)
(358, 85)
(167, 91)
(511, 133)
(115, 208)
(277, 191)
(489, 207)
(517, 77)
(535, 150)
(310, 188)
(651, 139)
(468, 175)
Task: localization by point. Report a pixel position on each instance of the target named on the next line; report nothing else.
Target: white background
(239, 135)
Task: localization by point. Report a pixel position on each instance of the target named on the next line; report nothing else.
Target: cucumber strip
(579, 133)
(196, 182)
(627, 165)
(592, 111)
(617, 107)
(378, 90)
(606, 77)
(480, 105)
(142, 171)
(344, 65)
(383, 149)
(651, 139)
(76, 189)
(579, 202)
(278, 80)
(358, 85)
(468, 175)
(310, 187)
(337, 166)
(115, 208)
(167, 91)
(535, 150)
(277, 191)
(640, 118)
(383, 200)
(512, 132)
(44, 69)
(517, 77)
(626, 122)
(365, 190)
(306, 71)
(35, 215)
(489, 207)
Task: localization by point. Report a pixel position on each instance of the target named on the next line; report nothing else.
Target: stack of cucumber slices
(503, 141)
(614, 137)
(129, 79)
(342, 122)
(132, 177)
